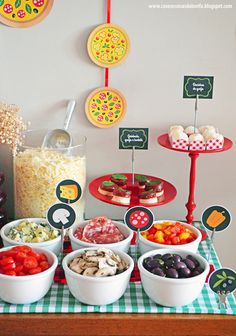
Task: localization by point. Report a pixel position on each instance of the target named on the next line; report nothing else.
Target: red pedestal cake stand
(163, 140)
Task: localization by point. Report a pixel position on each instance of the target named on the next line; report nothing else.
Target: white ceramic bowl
(29, 288)
(172, 292)
(97, 290)
(146, 245)
(121, 246)
(53, 245)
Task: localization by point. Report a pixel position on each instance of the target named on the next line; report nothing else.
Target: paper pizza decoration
(105, 107)
(108, 45)
(24, 13)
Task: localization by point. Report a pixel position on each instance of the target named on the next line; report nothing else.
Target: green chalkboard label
(198, 85)
(133, 137)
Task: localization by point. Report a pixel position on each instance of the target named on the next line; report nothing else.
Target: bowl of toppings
(100, 231)
(26, 274)
(97, 276)
(35, 232)
(170, 234)
(172, 277)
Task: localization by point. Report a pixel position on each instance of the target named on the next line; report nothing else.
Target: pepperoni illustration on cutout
(139, 218)
(8, 8)
(38, 3)
(21, 13)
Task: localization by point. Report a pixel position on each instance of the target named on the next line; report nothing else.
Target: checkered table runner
(59, 299)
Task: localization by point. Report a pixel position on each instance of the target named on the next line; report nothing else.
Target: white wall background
(43, 66)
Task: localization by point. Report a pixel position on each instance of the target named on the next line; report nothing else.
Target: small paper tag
(139, 218)
(216, 217)
(130, 138)
(198, 85)
(61, 215)
(223, 280)
(68, 191)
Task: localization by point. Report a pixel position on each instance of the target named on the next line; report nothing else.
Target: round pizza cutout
(105, 107)
(24, 13)
(108, 45)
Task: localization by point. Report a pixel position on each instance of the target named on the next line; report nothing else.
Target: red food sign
(139, 218)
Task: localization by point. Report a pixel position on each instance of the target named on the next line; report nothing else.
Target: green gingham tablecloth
(59, 299)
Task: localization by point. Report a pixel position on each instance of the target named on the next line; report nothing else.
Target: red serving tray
(169, 191)
(163, 140)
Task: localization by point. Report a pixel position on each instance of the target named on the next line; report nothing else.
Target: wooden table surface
(117, 324)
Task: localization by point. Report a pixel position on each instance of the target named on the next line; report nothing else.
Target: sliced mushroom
(91, 271)
(94, 259)
(105, 251)
(91, 253)
(105, 271)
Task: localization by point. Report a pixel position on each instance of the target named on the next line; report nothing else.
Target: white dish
(29, 288)
(97, 290)
(146, 245)
(53, 245)
(122, 245)
(172, 292)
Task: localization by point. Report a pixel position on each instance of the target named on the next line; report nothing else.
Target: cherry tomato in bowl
(26, 274)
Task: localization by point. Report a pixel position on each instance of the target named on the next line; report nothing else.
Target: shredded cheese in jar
(37, 172)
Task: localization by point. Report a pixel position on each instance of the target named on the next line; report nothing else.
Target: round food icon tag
(139, 218)
(223, 279)
(216, 217)
(68, 191)
(61, 215)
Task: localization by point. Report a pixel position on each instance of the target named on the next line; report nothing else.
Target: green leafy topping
(231, 277)
(224, 274)
(1, 2)
(28, 8)
(106, 118)
(110, 97)
(220, 276)
(141, 178)
(97, 113)
(108, 183)
(119, 177)
(154, 182)
(117, 111)
(218, 283)
(111, 104)
(147, 192)
(17, 3)
(98, 101)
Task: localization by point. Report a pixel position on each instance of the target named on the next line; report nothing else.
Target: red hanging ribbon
(108, 11)
(108, 21)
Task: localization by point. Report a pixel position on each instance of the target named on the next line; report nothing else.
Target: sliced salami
(99, 230)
